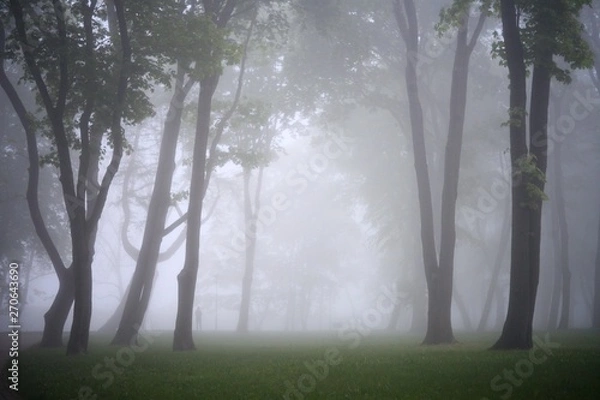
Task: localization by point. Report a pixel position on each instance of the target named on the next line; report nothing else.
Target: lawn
(271, 366)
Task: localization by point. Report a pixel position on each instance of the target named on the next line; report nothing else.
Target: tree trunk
(56, 316)
(516, 333)
(418, 319)
(463, 311)
(406, 17)
(394, 317)
(82, 309)
(250, 230)
(504, 239)
(564, 238)
(112, 323)
(183, 339)
(596, 312)
(556, 285)
(538, 147)
(140, 288)
(439, 274)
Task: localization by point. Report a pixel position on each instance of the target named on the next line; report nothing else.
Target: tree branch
(33, 157)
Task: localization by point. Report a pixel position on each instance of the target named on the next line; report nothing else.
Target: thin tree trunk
(55, 318)
(438, 273)
(406, 18)
(499, 260)
(183, 339)
(596, 312)
(564, 239)
(138, 296)
(250, 222)
(557, 284)
(462, 309)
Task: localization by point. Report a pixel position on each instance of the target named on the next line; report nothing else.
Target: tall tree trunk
(406, 17)
(250, 222)
(138, 296)
(458, 105)
(84, 225)
(499, 260)
(56, 317)
(557, 276)
(515, 333)
(538, 147)
(463, 311)
(439, 274)
(564, 238)
(394, 317)
(596, 311)
(183, 339)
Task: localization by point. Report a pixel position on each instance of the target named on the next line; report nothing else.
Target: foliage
(534, 178)
(551, 25)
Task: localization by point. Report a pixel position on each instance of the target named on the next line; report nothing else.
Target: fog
(321, 140)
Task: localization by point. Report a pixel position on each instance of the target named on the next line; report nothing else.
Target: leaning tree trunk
(183, 339)
(140, 287)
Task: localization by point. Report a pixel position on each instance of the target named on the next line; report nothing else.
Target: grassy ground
(227, 366)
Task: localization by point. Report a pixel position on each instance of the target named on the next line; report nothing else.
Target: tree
(86, 87)
(138, 295)
(592, 37)
(219, 13)
(533, 33)
(438, 272)
(252, 152)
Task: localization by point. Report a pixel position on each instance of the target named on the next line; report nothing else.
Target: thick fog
(319, 150)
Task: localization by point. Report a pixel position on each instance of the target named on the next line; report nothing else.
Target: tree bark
(596, 312)
(406, 18)
(140, 288)
(499, 260)
(438, 273)
(557, 278)
(250, 222)
(183, 339)
(564, 239)
(516, 332)
(56, 317)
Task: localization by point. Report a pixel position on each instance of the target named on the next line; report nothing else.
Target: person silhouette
(198, 318)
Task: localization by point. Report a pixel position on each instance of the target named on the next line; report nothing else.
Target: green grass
(227, 366)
